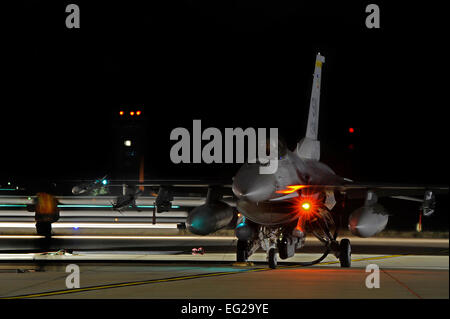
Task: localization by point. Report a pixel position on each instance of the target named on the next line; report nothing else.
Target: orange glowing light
(121, 112)
(290, 189)
(131, 113)
(308, 208)
(138, 113)
(306, 205)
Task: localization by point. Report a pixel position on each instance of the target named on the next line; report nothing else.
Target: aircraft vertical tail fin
(309, 146)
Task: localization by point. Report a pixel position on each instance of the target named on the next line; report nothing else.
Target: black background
(277, 307)
(230, 64)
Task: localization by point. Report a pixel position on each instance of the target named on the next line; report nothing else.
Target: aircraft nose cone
(250, 185)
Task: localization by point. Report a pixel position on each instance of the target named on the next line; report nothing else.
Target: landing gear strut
(242, 251)
(272, 258)
(342, 250)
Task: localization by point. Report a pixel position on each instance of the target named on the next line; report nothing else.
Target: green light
(7, 189)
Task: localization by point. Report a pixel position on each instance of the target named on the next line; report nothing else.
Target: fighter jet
(276, 211)
(86, 188)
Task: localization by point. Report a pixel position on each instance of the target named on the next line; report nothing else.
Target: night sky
(230, 64)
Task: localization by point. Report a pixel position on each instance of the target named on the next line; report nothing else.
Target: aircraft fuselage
(258, 199)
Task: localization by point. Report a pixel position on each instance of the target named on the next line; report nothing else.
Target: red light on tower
(351, 130)
(121, 113)
(138, 113)
(131, 113)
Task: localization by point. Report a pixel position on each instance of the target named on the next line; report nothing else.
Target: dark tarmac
(177, 274)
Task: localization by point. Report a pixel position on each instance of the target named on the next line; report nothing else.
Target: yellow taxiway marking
(152, 281)
(126, 284)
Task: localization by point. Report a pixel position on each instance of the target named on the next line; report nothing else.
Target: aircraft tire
(241, 251)
(345, 253)
(272, 256)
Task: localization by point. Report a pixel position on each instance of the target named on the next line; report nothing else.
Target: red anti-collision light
(351, 130)
(131, 113)
(138, 113)
(306, 207)
(121, 113)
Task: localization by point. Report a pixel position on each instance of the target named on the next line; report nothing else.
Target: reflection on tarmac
(213, 244)
(401, 277)
(163, 267)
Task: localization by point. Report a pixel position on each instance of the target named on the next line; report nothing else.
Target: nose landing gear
(268, 240)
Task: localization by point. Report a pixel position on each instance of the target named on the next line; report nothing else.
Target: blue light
(76, 227)
(242, 223)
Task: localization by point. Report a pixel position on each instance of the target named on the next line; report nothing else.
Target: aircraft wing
(367, 191)
(360, 190)
(178, 187)
(352, 190)
(182, 193)
(356, 190)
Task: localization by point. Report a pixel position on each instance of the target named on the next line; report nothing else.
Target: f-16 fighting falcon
(275, 211)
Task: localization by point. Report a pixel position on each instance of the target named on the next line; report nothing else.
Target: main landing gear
(279, 244)
(345, 253)
(342, 250)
